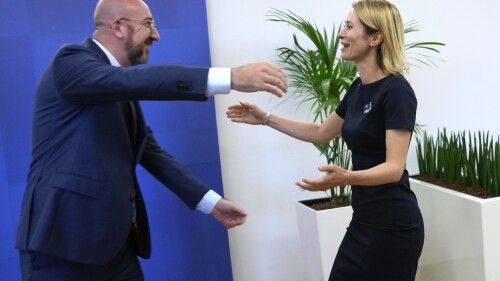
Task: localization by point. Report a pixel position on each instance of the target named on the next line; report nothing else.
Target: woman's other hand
(247, 113)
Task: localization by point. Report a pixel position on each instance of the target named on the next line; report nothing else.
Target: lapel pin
(367, 108)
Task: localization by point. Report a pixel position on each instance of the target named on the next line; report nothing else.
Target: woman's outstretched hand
(334, 176)
(247, 113)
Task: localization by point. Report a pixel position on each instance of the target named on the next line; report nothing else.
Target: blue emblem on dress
(367, 107)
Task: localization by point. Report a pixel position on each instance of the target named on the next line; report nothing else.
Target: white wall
(260, 166)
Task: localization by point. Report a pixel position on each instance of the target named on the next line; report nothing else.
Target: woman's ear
(376, 39)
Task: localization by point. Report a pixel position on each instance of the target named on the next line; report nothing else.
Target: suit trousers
(36, 266)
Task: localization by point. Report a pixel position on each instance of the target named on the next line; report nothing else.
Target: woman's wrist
(346, 181)
(265, 120)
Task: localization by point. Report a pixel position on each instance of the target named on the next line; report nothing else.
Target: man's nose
(155, 35)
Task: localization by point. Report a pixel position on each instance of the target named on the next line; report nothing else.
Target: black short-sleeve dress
(385, 237)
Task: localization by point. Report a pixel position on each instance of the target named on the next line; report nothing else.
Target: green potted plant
(320, 78)
(460, 177)
(469, 163)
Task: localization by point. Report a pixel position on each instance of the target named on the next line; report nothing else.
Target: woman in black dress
(376, 118)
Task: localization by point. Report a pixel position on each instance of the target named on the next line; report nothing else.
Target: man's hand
(260, 76)
(229, 214)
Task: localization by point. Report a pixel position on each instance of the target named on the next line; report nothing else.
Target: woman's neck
(370, 72)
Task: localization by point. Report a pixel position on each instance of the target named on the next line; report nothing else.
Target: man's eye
(150, 24)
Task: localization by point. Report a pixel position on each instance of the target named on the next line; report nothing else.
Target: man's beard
(136, 55)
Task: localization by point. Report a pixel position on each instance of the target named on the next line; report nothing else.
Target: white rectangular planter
(321, 233)
(462, 235)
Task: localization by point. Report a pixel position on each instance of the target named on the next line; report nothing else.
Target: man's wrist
(219, 81)
(208, 202)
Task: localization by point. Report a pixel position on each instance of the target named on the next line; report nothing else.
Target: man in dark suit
(83, 216)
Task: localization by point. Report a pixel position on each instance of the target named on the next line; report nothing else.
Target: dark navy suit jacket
(78, 203)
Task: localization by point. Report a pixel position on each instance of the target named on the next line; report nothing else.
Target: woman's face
(355, 43)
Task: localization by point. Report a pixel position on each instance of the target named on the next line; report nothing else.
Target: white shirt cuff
(219, 81)
(208, 202)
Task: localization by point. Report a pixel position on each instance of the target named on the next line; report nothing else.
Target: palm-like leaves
(318, 75)
(427, 46)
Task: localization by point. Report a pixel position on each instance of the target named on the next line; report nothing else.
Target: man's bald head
(126, 29)
(107, 11)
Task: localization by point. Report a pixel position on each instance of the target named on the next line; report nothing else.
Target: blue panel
(10, 196)
(192, 9)
(195, 239)
(45, 47)
(188, 49)
(16, 104)
(165, 13)
(9, 268)
(202, 140)
(61, 17)
(7, 235)
(13, 18)
(187, 245)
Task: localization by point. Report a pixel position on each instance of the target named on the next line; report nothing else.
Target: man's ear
(118, 29)
(376, 39)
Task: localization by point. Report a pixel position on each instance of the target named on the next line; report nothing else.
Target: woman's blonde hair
(382, 16)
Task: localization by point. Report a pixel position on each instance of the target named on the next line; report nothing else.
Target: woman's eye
(348, 26)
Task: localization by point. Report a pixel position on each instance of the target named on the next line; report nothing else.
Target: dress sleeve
(341, 110)
(400, 106)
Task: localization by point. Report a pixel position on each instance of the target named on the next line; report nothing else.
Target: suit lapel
(139, 128)
(133, 113)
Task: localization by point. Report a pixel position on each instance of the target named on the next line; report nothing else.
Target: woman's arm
(248, 113)
(397, 142)
(397, 145)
